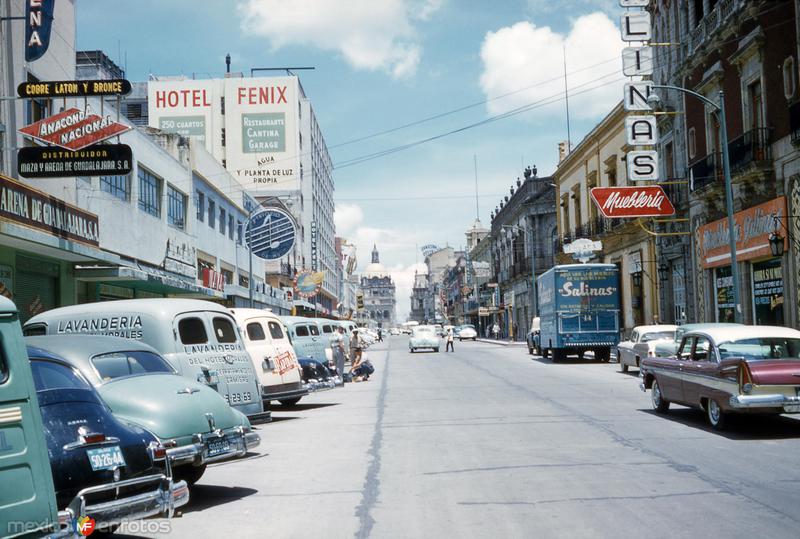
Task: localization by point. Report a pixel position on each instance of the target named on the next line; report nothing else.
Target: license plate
(105, 458)
(218, 447)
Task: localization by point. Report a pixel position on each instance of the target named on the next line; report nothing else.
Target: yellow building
(599, 161)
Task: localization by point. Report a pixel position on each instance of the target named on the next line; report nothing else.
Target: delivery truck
(579, 308)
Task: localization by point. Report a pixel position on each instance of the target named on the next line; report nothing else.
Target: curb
(504, 343)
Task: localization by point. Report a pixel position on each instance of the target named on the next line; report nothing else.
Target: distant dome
(376, 269)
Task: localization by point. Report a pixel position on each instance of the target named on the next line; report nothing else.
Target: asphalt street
(491, 442)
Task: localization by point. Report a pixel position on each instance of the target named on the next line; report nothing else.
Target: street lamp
(726, 167)
(776, 240)
(663, 272)
(636, 277)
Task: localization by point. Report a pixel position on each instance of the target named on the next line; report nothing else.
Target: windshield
(761, 348)
(467, 326)
(658, 335)
(121, 364)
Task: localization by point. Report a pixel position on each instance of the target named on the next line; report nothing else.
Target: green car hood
(168, 405)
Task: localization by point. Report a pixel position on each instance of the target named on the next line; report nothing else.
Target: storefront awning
(148, 279)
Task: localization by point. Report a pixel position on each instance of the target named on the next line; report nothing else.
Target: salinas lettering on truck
(579, 310)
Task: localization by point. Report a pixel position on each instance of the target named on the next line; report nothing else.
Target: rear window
(3, 366)
(192, 331)
(48, 375)
(647, 337)
(275, 330)
(314, 330)
(224, 330)
(327, 329)
(301, 331)
(121, 364)
(255, 332)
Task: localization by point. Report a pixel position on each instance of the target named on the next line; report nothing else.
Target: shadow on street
(206, 496)
(738, 426)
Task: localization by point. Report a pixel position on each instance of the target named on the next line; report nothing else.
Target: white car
(423, 337)
(394, 331)
(467, 332)
(643, 344)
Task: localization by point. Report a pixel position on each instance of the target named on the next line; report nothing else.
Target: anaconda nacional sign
(74, 129)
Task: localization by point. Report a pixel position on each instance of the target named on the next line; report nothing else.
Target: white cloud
(368, 34)
(346, 218)
(531, 57)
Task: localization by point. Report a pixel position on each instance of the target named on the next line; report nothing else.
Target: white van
(273, 356)
(199, 338)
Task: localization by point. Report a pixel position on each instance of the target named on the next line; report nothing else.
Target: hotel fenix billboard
(249, 124)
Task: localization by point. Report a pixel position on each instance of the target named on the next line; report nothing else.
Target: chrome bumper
(198, 452)
(790, 405)
(162, 500)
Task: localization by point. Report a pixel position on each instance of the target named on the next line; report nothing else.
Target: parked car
(23, 440)
(102, 466)
(642, 343)
(140, 387)
(273, 356)
(316, 376)
(438, 329)
(467, 332)
(198, 338)
(667, 348)
(724, 370)
(394, 331)
(533, 338)
(306, 338)
(423, 337)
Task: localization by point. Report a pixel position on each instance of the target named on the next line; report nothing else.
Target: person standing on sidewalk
(449, 339)
(337, 344)
(355, 347)
(496, 331)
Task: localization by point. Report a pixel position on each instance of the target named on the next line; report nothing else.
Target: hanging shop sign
(38, 23)
(74, 129)
(627, 202)
(52, 162)
(583, 249)
(21, 204)
(753, 227)
(308, 283)
(74, 88)
(271, 234)
(213, 279)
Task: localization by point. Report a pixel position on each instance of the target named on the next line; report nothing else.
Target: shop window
(275, 330)
(224, 331)
(723, 289)
(768, 293)
(239, 229)
(756, 104)
(255, 332)
(37, 109)
(230, 226)
(789, 78)
(200, 205)
(116, 185)
(222, 221)
(192, 331)
(227, 275)
(149, 192)
(176, 207)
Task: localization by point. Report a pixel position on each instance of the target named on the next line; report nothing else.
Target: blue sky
(381, 64)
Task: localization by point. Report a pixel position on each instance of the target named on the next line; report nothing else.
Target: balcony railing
(753, 146)
(706, 172)
(713, 21)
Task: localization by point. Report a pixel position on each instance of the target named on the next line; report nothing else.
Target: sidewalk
(503, 342)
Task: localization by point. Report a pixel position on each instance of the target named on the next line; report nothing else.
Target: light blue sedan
(423, 337)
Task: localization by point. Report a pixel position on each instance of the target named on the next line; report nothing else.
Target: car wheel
(436, 350)
(623, 367)
(412, 350)
(190, 474)
(558, 355)
(716, 416)
(545, 352)
(660, 404)
(290, 402)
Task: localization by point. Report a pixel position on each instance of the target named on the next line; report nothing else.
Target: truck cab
(29, 508)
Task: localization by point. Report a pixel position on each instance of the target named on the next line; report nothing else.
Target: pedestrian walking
(449, 338)
(339, 352)
(380, 335)
(496, 331)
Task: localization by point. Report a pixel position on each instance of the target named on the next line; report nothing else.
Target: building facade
(380, 300)
(523, 236)
(598, 161)
(748, 50)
